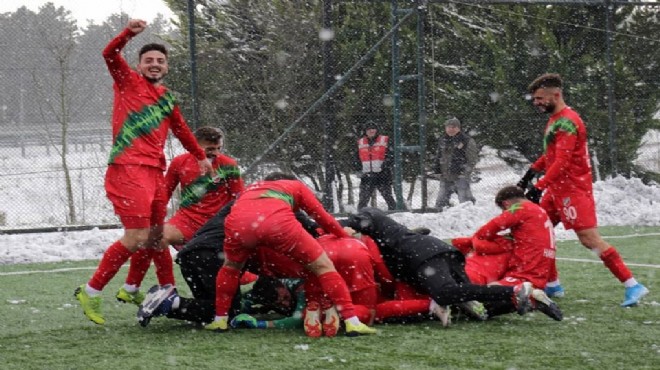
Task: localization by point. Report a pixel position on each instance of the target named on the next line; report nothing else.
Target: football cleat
(546, 305)
(312, 323)
(219, 326)
(91, 305)
(124, 296)
(474, 309)
(556, 291)
(634, 294)
(442, 313)
(357, 330)
(521, 297)
(157, 302)
(330, 322)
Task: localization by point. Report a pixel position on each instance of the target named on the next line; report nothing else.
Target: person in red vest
(374, 162)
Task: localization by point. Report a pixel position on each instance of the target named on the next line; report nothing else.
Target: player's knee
(321, 265)
(135, 239)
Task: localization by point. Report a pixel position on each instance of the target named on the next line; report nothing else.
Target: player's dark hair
(208, 133)
(152, 46)
(263, 290)
(546, 80)
(507, 193)
(264, 294)
(274, 176)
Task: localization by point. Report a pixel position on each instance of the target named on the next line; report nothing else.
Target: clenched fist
(136, 25)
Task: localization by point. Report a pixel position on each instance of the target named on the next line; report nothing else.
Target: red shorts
(352, 260)
(187, 226)
(483, 269)
(404, 292)
(277, 265)
(269, 223)
(576, 211)
(510, 281)
(137, 194)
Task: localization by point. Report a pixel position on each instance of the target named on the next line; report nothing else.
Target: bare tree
(54, 86)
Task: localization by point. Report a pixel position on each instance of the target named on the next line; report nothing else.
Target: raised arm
(117, 65)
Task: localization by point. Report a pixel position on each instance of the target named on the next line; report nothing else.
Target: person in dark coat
(436, 268)
(457, 154)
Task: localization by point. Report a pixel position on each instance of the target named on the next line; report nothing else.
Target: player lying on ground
(436, 268)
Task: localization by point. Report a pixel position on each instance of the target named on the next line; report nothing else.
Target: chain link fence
(293, 83)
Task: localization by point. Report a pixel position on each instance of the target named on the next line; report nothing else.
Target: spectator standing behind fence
(374, 162)
(142, 114)
(456, 156)
(567, 184)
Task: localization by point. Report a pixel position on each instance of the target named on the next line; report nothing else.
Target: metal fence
(293, 87)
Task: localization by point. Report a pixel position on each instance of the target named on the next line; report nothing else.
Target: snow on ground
(619, 201)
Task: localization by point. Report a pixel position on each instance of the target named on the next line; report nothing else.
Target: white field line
(599, 261)
(49, 271)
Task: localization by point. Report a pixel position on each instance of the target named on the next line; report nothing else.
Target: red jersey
(382, 274)
(533, 241)
(142, 114)
(352, 259)
(295, 196)
(565, 158)
(203, 196)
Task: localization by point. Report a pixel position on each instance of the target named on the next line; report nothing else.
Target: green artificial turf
(42, 327)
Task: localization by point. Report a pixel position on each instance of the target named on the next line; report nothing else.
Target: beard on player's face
(548, 107)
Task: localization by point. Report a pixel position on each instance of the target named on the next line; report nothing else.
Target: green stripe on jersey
(515, 207)
(194, 192)
(562, 124)
(278, 195)
(142, 123)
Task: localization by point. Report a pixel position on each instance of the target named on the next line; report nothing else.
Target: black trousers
(372, 181)
(443, 278)
(199, 269)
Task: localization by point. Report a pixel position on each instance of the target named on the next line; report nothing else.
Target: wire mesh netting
(292, 84)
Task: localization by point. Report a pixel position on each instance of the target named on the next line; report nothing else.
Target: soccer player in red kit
(354, 263)
(263, 215)
(532, 232)
(202, 196)
(143, 112)
(485, 260)
(567, 184)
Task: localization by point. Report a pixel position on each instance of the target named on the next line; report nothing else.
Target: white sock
(91, 291)
(131, 288)
(552, 284)
(218, 318)
(353, 320)
(630, 282)
(176, 302)
(432, 306)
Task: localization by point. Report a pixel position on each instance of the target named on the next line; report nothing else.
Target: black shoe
(474, 310)
(546, 305)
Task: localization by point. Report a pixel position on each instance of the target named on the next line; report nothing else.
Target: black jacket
(403, 250)
(456, 155)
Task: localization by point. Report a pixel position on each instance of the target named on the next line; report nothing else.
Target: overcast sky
(96, 10)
